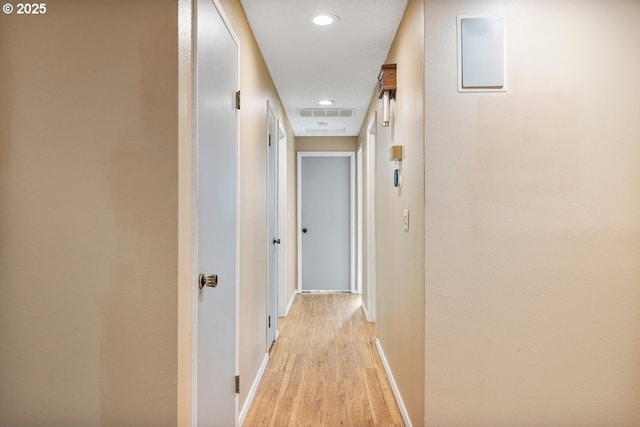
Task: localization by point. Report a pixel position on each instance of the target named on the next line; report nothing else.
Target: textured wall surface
(533, 220)
(88, 217)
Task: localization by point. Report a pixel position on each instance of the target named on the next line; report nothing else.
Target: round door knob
(210, 280)
(304, 230)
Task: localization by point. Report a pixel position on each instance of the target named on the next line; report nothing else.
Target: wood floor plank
(324, 370)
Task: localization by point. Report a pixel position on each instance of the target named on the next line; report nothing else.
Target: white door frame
(359, 239)
(187, 216)
(371, 219)
(352, 209)
(282, 218)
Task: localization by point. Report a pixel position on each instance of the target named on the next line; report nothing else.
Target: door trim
(187, 214)
(371, 219)
(352, 211)
(281, 162)
(359, 238)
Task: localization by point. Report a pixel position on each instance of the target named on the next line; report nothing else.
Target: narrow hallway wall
(533, 220)
(88, 217)
(326, 143)
(399, 253)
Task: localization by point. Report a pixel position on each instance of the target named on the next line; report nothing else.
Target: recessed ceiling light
(325, 102)
(324, 19)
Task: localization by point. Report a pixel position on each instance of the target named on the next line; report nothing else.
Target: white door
(272, 229)
(217, 159)
(326, 222)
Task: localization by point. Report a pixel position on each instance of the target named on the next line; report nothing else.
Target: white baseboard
(366, 313)
(252, 391)
(394, 386)
(286, 313)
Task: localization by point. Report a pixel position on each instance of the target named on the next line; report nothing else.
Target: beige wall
(257, 89)
(326, 143)
(88, 224)
(400, 254)
(533, 220)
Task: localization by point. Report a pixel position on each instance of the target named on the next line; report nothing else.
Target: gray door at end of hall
(326, 217)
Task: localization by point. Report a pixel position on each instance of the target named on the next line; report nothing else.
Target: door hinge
(237, 384)
(269, 321)
(269, 140)
(237, 100)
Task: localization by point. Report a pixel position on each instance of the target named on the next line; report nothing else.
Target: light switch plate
(405, 219)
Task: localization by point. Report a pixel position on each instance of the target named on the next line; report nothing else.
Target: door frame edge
(186, 213)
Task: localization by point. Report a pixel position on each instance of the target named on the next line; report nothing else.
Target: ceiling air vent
(326, 112)
(323, 131)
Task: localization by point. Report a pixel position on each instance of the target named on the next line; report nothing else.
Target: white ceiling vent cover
(326, 112)
(324, 131)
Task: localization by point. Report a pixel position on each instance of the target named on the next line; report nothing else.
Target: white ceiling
(340, 62)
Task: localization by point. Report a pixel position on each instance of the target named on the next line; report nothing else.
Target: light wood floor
(324, 369)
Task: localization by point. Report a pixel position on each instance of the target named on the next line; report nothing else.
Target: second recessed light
(324, 19)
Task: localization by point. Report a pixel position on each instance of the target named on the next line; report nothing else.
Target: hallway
(324, 369)
(499, 233)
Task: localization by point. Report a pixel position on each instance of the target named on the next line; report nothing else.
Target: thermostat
(396, 152)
